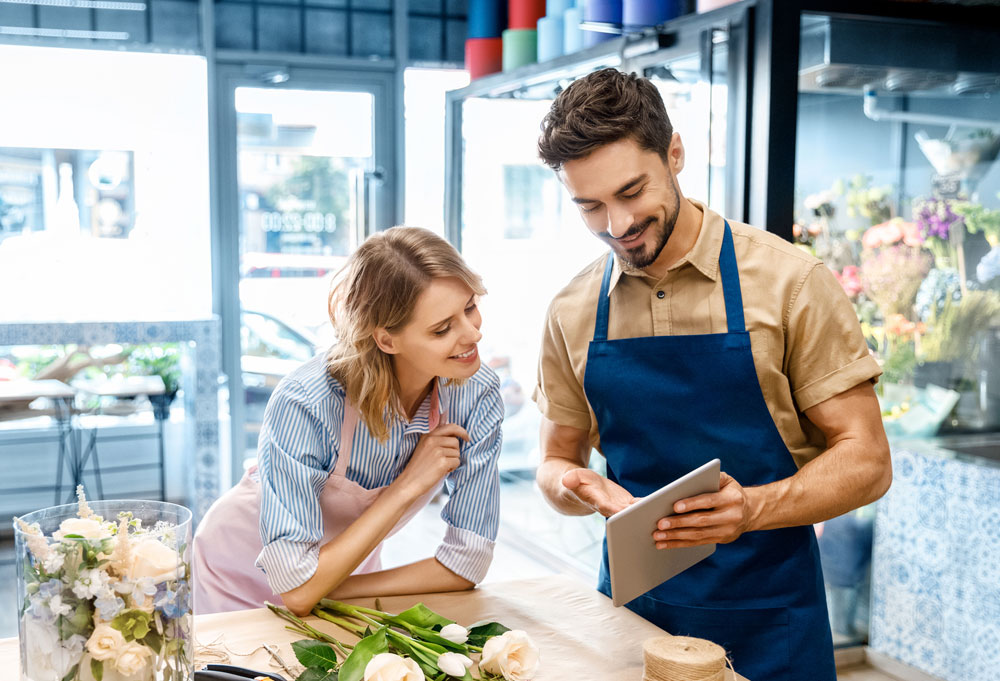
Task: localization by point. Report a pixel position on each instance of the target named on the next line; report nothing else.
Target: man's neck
(681, 241)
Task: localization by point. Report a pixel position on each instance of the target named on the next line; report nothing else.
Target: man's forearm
(843, 478)
(549, 477)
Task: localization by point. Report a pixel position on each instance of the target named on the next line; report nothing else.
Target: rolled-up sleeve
(825, 351)
(294, 459)
(472, 512)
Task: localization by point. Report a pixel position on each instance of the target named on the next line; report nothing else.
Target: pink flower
(850, 280)
(891, 232)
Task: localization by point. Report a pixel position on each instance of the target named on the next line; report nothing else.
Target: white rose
(132, 658)
(150, 558)
(389, 667)
(511, 655)
(454, 664)
(105, 642)
(455, 633)
(88, 528)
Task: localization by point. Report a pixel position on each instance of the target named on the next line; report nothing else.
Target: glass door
(308, 187)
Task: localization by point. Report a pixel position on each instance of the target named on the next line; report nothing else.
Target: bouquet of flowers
(105, 599)
(414, 645)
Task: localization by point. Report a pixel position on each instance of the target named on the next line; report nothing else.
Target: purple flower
(935, 217)
(173, 603)
(109, 606)
(51, 588)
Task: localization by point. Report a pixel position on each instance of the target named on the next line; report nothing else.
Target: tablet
(636, 564)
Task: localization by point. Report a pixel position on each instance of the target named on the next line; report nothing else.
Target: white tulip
(455, 633)
(511, 655)
(390, 667)
(454, 664)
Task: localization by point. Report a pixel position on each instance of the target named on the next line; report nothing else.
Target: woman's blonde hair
(379, 287)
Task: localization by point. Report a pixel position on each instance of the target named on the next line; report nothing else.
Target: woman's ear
(385, 341)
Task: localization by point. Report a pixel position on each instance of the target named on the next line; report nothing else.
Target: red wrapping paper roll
(483, 56)
(525, 13)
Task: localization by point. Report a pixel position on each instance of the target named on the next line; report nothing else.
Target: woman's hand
(436, 455)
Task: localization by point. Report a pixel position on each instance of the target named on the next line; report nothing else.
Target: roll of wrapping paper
(487, 18)
(520, 47)
(483, 56)
(556, 8)
(638, 14)
(602, 11)
(525, 13)
(572, 33)
(550, 37)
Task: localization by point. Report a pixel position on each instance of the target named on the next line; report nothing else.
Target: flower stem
(339, 621)
(301, 627)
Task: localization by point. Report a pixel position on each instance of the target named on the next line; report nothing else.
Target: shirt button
(661, 295)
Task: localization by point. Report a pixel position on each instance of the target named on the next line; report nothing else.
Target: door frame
(380, 82)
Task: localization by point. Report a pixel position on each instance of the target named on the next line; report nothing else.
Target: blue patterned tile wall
(936, 566)
(202, 443)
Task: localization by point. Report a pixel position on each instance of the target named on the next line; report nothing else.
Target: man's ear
(675, 153)
(385, 341)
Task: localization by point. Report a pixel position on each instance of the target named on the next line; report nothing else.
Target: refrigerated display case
(866, 133)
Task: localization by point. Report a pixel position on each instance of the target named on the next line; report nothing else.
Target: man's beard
(642, 257)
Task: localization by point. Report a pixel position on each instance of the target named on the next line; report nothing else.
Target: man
(702, 338)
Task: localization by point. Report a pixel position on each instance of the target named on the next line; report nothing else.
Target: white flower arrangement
(104, 600)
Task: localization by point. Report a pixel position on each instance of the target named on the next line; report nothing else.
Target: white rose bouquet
(105, 600)
(415, 645)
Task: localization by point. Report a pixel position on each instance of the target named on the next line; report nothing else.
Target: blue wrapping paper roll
(556, 8)
(606, 11)
(550, 38)
(572, 33)
(591, 38)
(641, 13)
(520, 47)
(487, 18)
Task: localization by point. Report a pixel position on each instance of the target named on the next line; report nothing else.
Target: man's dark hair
(604, 107)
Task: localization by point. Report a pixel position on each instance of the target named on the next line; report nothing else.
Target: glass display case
(867, 134)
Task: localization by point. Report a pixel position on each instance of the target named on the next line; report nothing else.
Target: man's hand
(596, 491)
(717, 518)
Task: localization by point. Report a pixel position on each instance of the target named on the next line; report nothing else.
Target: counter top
(579, 633)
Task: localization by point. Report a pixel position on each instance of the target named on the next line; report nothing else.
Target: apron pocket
(757, 640)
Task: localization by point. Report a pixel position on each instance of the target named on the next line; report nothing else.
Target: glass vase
(104, 592)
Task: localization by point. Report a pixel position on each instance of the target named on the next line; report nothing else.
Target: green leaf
(317, 674)
(97, 669)
(479, 633)
(353, 668)
(422, 616)
(80, 622)
(153, 640)
(71, 674)
(431, 636)
(73, 536)
(315, 654)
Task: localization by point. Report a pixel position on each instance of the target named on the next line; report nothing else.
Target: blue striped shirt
(297, 451)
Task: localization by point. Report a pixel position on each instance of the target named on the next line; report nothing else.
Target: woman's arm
(436, 455)
(424, 577)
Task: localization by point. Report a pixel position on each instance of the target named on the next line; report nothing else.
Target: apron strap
(730, 290)
(731, 284)
(347, 429)
(601, 323)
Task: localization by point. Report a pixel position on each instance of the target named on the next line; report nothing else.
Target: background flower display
(104, 592)
(414, 645)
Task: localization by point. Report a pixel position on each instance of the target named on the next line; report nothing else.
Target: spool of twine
(682, 658)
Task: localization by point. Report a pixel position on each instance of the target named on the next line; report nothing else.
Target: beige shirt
(806, 341)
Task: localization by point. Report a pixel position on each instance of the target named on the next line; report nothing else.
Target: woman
(355, 443)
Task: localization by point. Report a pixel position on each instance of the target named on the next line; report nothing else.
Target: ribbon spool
(520, 47)
(483, 56)
(637, 14)
(550, 37)
(572, 33)
(487, 18)
(525, 13)
(682, 658)
(556, 8)
(602, 11)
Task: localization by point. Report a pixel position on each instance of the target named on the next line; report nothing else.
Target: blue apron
(666, 405)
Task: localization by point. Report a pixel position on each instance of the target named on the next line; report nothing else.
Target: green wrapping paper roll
(520, 47)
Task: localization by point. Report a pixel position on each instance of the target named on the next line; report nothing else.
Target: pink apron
(228, 541)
